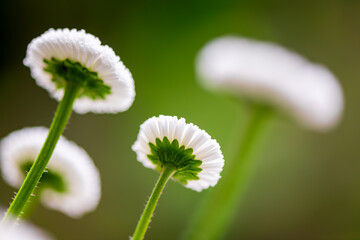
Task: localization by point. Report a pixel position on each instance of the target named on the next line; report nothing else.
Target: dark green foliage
(70, 71)
(49, 178)
(165, 153)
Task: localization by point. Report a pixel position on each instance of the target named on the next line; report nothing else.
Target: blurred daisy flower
(71, 183)
(167, 140)
(268, 77)
(270, 74)
(21, 230)
(180, 151)
(61, 56)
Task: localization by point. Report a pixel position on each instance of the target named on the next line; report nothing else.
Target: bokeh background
(307, 185)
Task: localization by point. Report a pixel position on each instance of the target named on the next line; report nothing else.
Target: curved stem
(144, 221)
(58, 124)
(216, 212)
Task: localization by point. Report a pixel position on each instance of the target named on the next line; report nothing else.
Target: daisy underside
(166, 154)
(65, 71)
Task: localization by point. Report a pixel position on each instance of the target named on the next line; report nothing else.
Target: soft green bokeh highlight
(307, 184)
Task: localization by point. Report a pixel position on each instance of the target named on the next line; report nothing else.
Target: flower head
(21, 230)
(63, 55)
(271, 74)
(168, 140)
(71, 183)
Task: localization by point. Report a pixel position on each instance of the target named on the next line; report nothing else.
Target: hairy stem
(31, 204)
(217, 210)
(144, 221)
(57, 127)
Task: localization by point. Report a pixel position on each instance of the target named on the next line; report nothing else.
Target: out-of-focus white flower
(168, 140)
(71, 183)
(273, 75)
(21, 230)
(113, 81)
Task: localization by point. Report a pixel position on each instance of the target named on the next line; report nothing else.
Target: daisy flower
(270, 74)
(178, 150)
(71, 183)
(22, 231)
(168, 140)
(61, 56)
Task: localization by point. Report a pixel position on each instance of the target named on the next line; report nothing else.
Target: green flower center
(63, 71)
(164, 153)
(49, 179)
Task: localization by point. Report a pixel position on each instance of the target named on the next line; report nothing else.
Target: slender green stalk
(144, 221)
(58, 124)
(31, 204)
(219, 207)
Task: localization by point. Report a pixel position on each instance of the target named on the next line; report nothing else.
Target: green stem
(144, 221)
(56, 129)
(32, 203)
(218, 209)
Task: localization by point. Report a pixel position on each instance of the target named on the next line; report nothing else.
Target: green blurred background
(307, 185)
